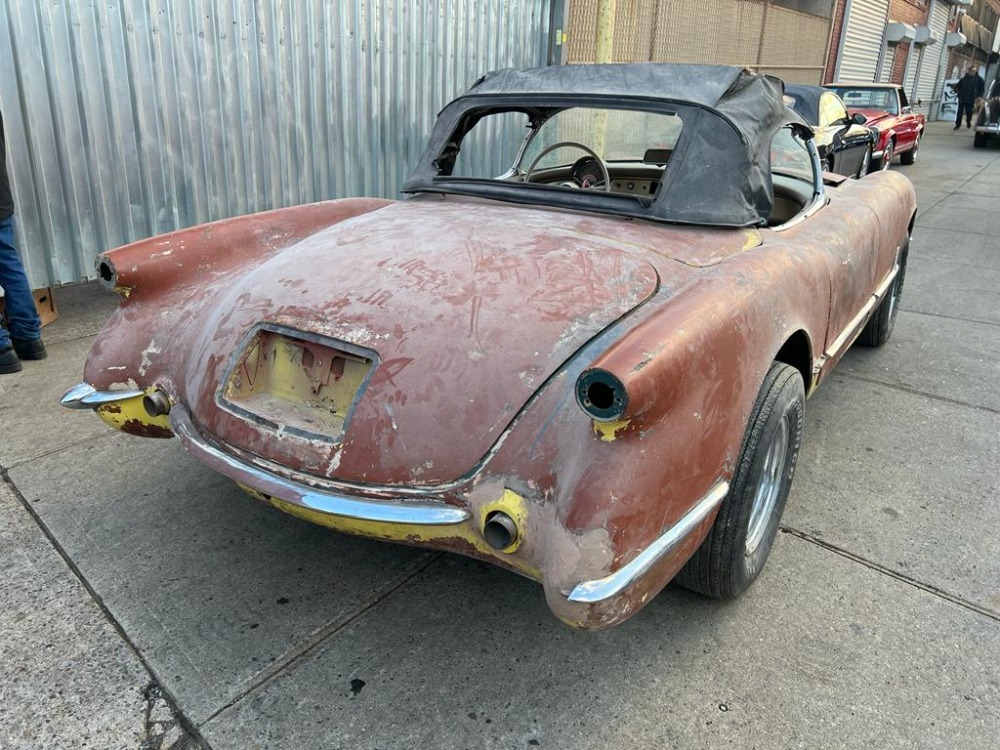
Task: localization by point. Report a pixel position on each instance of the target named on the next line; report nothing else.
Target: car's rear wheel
(735, 550)
(979, 140)
(887, 155)
(879, 328)
(909, 157)
(866, 163)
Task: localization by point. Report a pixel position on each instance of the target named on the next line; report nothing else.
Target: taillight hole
(601, 395)
(106, 271)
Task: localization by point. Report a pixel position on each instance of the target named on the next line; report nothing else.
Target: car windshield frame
(839, 90)
(719, 173)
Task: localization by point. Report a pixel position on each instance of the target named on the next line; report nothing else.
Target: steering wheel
(571, 144)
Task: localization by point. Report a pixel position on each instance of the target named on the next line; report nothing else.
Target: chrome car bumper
(611, 585)
(992, 128)
(422, 511)
(85, 396)
(391, 510)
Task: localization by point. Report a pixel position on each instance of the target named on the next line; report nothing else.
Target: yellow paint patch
(751, 238)
(117, 414)
(514, 506)
(608, 430)
(471, 531)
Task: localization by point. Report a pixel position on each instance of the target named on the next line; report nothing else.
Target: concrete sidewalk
(145, 602)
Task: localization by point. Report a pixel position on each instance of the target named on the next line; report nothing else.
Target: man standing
(24, 339)
(969, 88)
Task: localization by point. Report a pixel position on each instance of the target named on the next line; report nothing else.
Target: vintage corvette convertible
(579, 349)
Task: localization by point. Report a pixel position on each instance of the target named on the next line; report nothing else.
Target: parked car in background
(845, 145)
(988, 120)
(579, 350)
(885, 107)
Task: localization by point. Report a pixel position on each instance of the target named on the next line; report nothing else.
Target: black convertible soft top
(719, 172)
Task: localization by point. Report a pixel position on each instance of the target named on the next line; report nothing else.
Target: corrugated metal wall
(128, 118)
(862, 42)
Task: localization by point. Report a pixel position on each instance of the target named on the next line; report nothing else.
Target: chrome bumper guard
(590, 592)
(397, 510)
(85, 396)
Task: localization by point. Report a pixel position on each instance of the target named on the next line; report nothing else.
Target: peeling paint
(609, 430)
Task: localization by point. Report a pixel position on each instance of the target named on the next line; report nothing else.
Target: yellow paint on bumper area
(131, 412)
(432, 536)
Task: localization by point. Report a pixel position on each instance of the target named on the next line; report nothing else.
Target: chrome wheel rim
(768, 488)
(866, 163)
(887, 158)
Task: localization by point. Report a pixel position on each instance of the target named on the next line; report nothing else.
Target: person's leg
(968, 114)
(958, 116)
(22, 315)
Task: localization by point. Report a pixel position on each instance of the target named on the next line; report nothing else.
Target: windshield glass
(790, 156)
(613, 134)
(863, 98)
(557, 149)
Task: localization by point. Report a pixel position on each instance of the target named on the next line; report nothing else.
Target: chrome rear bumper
(399, 510)
(85, 396)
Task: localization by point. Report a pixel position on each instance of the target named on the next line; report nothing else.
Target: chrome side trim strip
(85, 396)
(856, 321)
(390, 510)
(589, 592)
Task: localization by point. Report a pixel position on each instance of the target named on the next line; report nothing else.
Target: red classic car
(580, 349)
(885, 108)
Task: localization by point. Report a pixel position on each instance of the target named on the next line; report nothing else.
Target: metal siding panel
(862, 43)
(927, 71)
(126, 119)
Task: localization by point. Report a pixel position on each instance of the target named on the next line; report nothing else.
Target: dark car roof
(806, 100)
(721, 175)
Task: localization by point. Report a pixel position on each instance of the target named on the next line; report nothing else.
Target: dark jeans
(22, 315)
(967, 108)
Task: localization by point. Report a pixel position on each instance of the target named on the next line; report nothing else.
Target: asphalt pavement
(145, 602)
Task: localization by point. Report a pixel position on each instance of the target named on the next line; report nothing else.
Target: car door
(844, 234)
(906, 128)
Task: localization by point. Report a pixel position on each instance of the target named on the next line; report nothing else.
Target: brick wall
(838, 30)
(913, 12)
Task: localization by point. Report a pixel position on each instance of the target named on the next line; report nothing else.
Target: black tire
(890, 151)
(979, 140)
(909, 157)
(879, 327)
(866, 163)
(735, 550)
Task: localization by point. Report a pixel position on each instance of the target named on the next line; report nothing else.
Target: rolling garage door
(930, 60)
(862, 43)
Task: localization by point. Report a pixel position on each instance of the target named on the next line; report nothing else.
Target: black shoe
(956, 127)
(9, 361)
(968, 124)
(29, 349)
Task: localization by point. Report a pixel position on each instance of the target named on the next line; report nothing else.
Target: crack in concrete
(915, 392)
(81, 441)
(879, 568)
(162, 729)
(321, 635)
(949, 317)
(189, 732)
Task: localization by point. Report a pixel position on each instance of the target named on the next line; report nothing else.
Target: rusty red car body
(466, 325)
